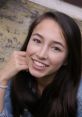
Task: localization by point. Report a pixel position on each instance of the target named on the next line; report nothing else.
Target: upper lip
(40, 62)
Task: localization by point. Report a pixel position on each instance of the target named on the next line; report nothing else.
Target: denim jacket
(7, 111)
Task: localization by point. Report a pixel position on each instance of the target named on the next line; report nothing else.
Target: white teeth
(39, 64)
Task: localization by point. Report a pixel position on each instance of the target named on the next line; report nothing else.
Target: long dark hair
(59, 99)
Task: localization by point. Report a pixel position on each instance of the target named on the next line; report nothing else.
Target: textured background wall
(15, 18)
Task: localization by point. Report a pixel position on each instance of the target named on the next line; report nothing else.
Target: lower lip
(39, 68)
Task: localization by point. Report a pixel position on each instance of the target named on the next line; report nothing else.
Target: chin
(36, 74)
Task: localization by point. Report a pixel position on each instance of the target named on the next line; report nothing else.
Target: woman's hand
(16, 63)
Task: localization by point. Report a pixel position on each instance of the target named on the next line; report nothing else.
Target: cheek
(30, 49)
(57, 60)
(29, 54)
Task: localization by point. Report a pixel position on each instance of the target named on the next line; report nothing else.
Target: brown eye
(36, 40)
(56, 49)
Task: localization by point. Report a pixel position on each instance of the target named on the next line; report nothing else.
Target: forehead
(48, 22)
(49, 28)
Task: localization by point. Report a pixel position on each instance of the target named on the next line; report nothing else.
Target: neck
(44, 82)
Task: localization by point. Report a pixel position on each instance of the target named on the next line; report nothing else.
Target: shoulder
(7, 110)
(8, 89)
(8, 98)
(79, 93)
(79, 99)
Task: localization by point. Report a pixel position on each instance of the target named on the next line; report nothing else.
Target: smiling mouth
(39, 65)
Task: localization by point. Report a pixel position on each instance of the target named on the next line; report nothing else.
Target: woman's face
(46, 50)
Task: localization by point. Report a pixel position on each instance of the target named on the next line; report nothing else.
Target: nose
(43, 53)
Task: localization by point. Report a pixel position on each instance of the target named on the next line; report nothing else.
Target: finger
(22, 67)
(21, 53)
(22, 60)
(22, 63)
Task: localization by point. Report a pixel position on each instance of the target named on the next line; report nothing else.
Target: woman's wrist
(3, 84)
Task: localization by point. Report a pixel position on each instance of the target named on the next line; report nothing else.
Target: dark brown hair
(59, 99)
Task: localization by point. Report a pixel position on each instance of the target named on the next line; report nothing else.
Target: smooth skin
(46, 53)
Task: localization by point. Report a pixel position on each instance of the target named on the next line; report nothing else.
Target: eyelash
(56, 49)
(36, 40)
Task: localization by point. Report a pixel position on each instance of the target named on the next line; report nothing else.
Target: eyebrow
(36, 34)
(58, 43)
(54, 42)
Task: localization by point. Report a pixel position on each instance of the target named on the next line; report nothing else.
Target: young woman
(46, 72)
